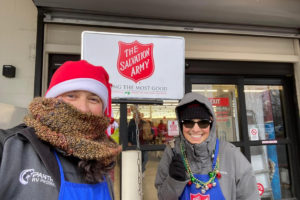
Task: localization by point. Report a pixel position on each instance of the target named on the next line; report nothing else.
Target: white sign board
(139, 66)
(173, 129)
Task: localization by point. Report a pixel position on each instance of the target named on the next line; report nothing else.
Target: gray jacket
(29, 169)
(237, 181)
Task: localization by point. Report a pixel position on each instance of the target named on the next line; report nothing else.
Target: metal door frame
(291, 115)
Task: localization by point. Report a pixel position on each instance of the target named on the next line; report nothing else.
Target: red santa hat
(81, 75)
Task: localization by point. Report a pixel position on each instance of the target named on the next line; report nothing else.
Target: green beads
(204, 186)
(211, 174)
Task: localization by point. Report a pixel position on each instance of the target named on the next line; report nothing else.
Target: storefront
(252, 113)
(249, 67)
(250, 83)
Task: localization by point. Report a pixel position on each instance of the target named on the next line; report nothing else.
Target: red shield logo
(135, 60)
(199, 197)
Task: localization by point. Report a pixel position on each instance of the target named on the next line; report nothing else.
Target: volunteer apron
(74, 191)
(215, 193)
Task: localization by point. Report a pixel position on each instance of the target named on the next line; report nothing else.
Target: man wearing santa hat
(62, 150)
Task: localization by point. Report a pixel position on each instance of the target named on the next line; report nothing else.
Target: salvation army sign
(135, 60)
(139, 66)
(199, 197)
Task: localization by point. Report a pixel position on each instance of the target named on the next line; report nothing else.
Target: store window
(250, 113)
(255, 120)
(224, 101)
(271, 169)
(264, 112)
(115, 130)
(156, 124)
(265, 121)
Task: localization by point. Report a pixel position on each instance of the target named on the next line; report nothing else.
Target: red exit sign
(219, 101)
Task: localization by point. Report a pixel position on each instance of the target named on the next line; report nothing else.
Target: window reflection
(264, 112)
(271, 169)
(153, 124)
(224, 101)
(114, 130)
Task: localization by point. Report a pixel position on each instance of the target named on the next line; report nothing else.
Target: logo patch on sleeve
(30, 176)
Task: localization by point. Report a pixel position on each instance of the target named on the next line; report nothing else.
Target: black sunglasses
(204, 123)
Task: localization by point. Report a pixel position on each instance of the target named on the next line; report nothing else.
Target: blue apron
(74, 191)
(190, 192)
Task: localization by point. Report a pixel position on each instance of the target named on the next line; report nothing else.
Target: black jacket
(29, 169)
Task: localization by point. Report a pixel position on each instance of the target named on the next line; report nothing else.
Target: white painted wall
(18, 21)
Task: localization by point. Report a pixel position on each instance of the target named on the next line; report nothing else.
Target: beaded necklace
(212, 175)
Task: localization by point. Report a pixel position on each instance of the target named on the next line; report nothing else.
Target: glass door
(224, 101)
(264, 108)
(255, 115)
(264, 111)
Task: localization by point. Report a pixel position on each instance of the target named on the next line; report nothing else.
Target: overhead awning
(274, 18)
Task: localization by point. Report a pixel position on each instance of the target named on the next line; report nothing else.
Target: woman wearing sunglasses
(198, 165)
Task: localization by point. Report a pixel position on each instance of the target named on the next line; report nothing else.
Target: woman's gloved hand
(177, 169)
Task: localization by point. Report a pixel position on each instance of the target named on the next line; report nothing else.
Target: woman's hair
(93, 171)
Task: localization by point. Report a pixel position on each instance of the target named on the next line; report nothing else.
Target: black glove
(177, 169)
